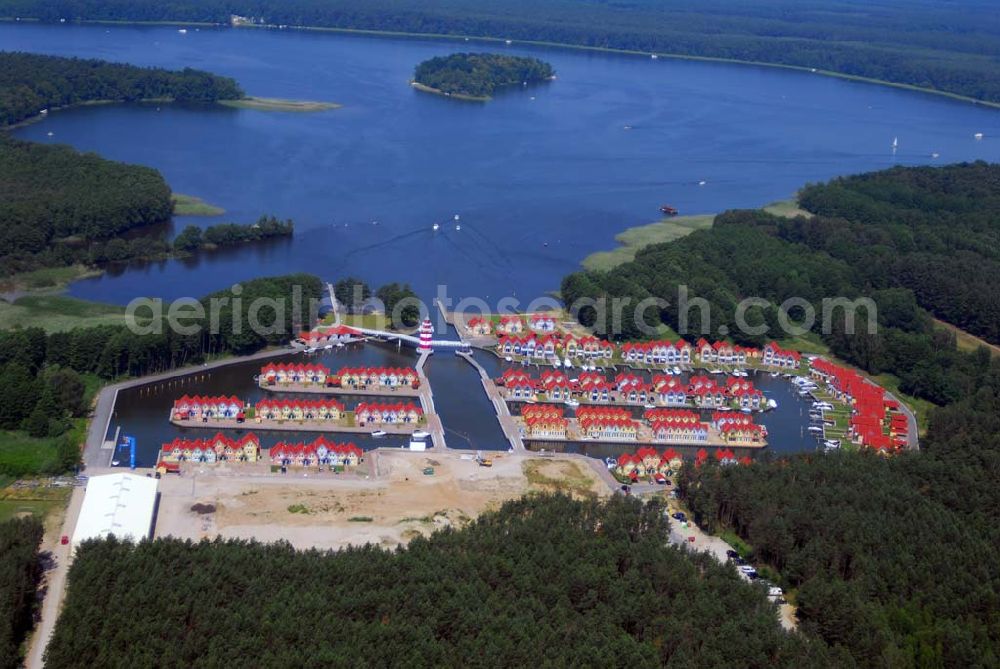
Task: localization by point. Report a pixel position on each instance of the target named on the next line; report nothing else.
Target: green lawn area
(14, 508)
(21, 455)
(633, 239)
(56, 313)
(189, 205)
(965, 341)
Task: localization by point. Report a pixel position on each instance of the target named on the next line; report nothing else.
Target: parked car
(64, 540)
(731, 554)
(660, 478)
(691, 539)
(679, 516)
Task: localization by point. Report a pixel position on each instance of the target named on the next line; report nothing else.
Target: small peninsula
(477, 76)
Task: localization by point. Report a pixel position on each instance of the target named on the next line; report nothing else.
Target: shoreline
(249, 102)
(424, 88)
(539, 43)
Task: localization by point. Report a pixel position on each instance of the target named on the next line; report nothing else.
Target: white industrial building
(117, 504)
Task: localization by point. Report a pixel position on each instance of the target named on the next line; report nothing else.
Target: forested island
(31, 83)
(477, 76)
(928, 45)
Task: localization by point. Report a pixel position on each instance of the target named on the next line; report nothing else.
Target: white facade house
(117, 504)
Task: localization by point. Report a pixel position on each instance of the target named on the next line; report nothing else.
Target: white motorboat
(507, 358)
(379, 433)
(677, 371)
(567, 362)
(772, 404)
(572, 403)
(435, 227)
(421, 434)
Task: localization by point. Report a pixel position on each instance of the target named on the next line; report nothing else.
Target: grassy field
(965, 341)
(787, 208)
(277, 104)
(571, 480)
(57, 313)
(44, 279)
(21, 455)
(633, 239)
(189, 205)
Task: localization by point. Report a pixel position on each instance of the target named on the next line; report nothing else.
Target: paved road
(680, 536)
(54, 582)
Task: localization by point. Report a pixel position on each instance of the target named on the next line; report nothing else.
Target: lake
(541, 177)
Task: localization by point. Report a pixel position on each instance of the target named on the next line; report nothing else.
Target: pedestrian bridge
(409, 339)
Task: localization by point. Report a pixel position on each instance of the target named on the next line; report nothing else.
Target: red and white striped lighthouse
(426, 333)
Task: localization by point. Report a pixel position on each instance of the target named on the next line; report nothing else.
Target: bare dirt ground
(395, 503)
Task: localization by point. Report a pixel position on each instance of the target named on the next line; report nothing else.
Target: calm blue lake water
(540, 177)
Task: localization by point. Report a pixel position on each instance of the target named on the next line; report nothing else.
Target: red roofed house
(542, 323)
(479, 326)
(510, 324)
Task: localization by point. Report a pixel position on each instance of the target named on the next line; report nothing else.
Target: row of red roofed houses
(371, 413)
(676, 425)
(776, 357)
(876, 421)
(205, 408)
(659, 352)
(219, 448)
(544, 421)
(647, 461)
(627, 387)
(332, 334)
(318, 452)
(377, 377)
(326, 409)
(602, 422)
(282, 374)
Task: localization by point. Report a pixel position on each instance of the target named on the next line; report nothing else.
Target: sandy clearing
(324, 511)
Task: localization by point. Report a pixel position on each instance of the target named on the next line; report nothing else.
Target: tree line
(480, 74)
(43, 374)
(30, 83)
(397, 301)
(930, 45)
(20, 572)
(543, 580)
(753, 253)
(934, 231)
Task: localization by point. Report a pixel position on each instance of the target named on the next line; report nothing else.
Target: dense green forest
(943, 46)
(543, 581)
(479, 75)
(59, 207)
(896, 560)
(53, 200)
(20, 572)
(889, 258)
(43, 386)
(934, 231)
(30, 83)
